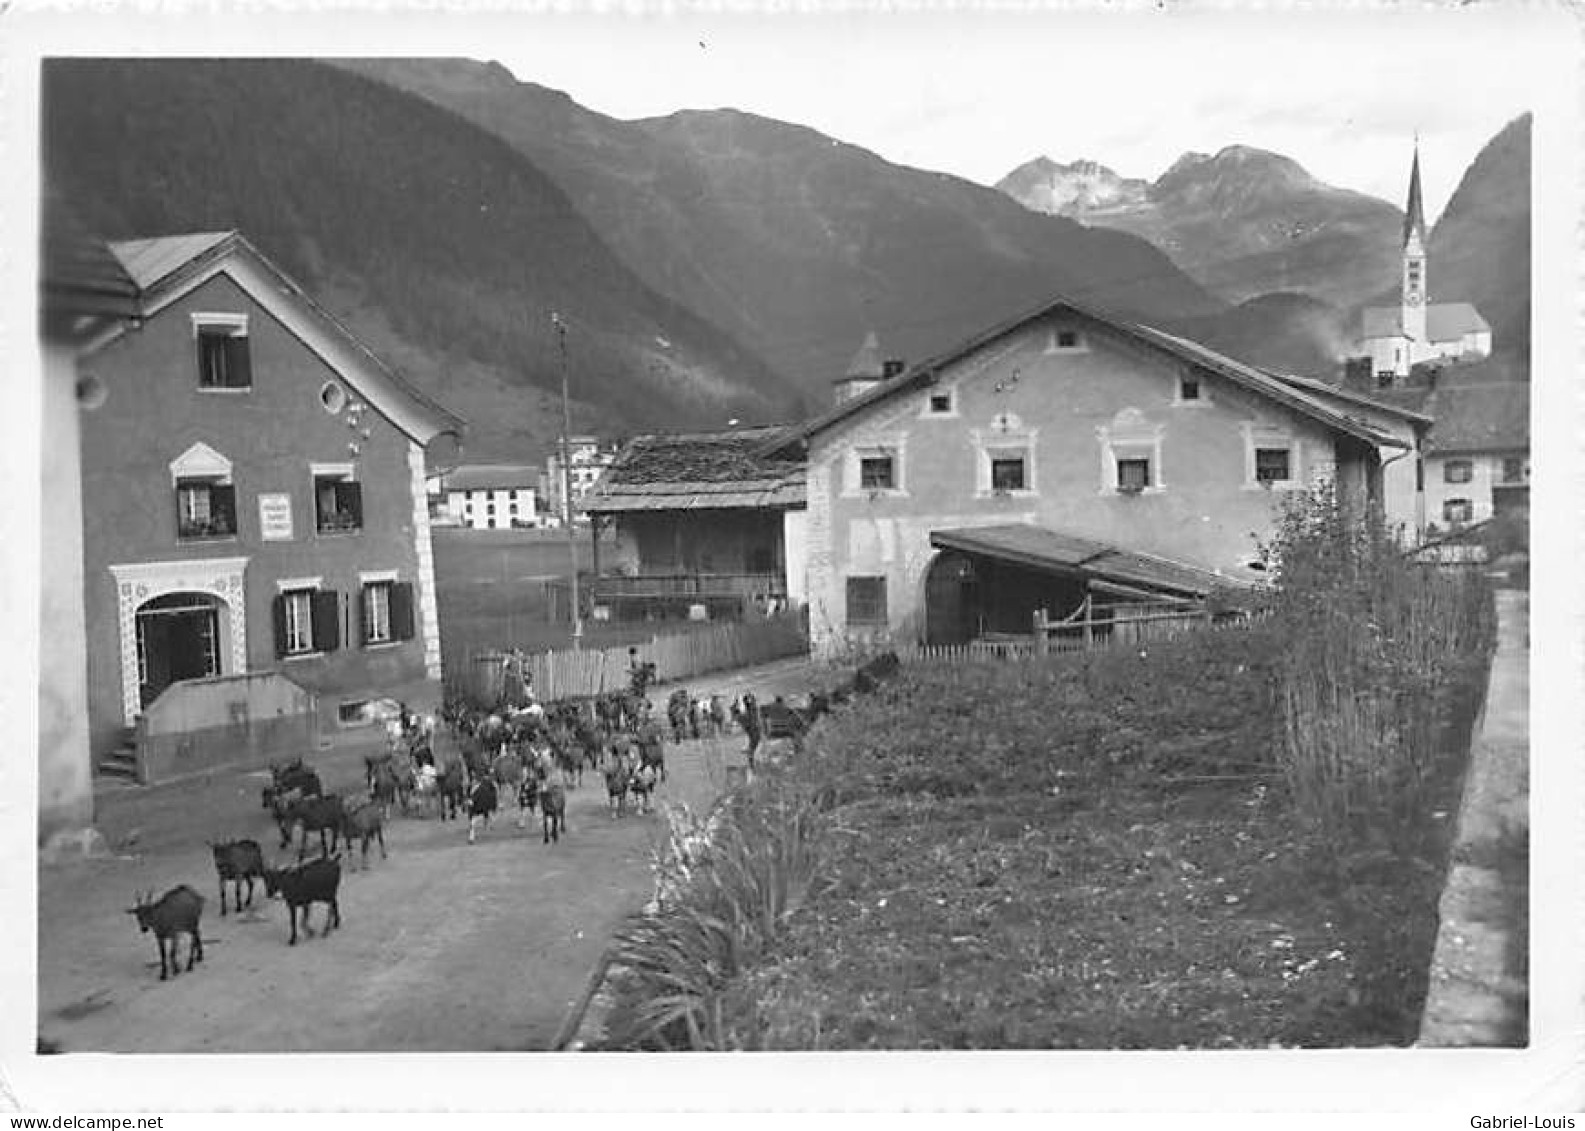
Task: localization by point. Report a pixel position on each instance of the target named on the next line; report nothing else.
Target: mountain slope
(443, 246)
(1243, 222)
(794, 243)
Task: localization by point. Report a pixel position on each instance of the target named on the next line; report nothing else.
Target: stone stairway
(122, 762)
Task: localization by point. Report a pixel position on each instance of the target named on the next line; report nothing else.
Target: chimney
(891, 367)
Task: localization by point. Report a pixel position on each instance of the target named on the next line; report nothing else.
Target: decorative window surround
(201, 462)
(1261, 436)
(880, 447)
(236, 324)
(1200, 388)
(1131, 436)
(140, 582)
(1005, 438)
(286, 584)
(366, 577)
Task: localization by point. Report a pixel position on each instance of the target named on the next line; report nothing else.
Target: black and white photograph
(559, 532)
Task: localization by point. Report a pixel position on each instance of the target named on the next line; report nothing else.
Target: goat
(383, 786)
(453, 788)
(175, 914)
(641, 783)
(652, 750)
(318, 814)
(618, 776)
(482, 803)
(365, 822)
(235, 861)
(678, 706)
(718, 715)
(294, 776)
(315, 881)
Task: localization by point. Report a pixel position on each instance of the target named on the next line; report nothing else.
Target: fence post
(1089, 629)
(1039, 617)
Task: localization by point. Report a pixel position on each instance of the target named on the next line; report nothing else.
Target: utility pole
(566, 481)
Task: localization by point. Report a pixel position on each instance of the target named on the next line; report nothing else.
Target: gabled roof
(697, 471)
(1444, 321)
(488, 477)
(1040, 548)
(168, 267)
(1180, 349)
(1323, 389)
(1480, 418)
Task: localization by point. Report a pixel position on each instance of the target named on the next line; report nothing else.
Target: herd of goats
(532, 755)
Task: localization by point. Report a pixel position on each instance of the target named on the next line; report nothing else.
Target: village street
(442, 946)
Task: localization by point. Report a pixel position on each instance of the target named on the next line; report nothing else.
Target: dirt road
(442, 946)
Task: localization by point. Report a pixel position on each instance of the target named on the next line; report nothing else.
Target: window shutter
(327, 620)
(201, 342)
(349, 500)
(402, 611)
(223, 506)
(278, 612)
(239, 367)
(364, 613)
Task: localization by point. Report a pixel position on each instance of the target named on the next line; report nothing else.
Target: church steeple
(1414, 212)
(1415, 287)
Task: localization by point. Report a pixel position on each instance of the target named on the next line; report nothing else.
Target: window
(205, 508)
(1512, 469)
(1458, 510)
(387, 611)
(940, 403)
(1384, 378)
(1007, 473)
(1067, 339)
(1273, 465)
(1188, 388)
(1457, 471)
(877, 473)
(307, 619)
(1133, 475)
(867, 600)
(223, 361)
(338, 501)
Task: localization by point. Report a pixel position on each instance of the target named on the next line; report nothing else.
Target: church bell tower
(1414, 264)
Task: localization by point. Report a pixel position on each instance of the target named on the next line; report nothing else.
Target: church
(1417, 330)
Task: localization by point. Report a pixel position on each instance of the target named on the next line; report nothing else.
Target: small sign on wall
(275, 517)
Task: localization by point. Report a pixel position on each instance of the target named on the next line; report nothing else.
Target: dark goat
(364, 822)
(317, 814)
(315, 881)
(652, 752)
(235, 861)
(553, 810)
(453, 788)
(292, 777)
(618, 776)
(176, 914)
(482, 803)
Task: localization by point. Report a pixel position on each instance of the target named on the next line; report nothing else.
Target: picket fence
(1128, 626)
(493, 675)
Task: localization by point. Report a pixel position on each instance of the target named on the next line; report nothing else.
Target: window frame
(1466, 466)
(231, 331)
(216, 489)
(872, 607)
(951, 408)
(1518, 476)
(1131, 459)
(1286, 452)
(1466, 505)
(1021, 461)
(348, 502)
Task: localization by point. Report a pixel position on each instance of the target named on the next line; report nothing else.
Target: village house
(705, 526)
(1062, 454)
(587, 459)
(1397, 338)
(1478, 453)
(253, 486)
(83, 292)
(490, 496)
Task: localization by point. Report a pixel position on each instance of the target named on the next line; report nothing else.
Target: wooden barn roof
(698, 471)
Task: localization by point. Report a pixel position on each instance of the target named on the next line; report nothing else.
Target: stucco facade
(1057, 402)
(299, 417)
(1462, 488)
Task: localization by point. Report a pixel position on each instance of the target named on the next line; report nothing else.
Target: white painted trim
(287, 584)
(236, 323)
(200, 462)
(327, 470)
(428, 628)
(1257, 435)
(140, 582)
(371, 577)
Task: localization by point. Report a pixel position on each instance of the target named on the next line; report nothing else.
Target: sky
(977, 95)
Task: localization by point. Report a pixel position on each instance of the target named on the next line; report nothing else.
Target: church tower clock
(1414, 264)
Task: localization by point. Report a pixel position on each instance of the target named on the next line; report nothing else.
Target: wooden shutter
(278, 612)
(401, 610)
(327, 620)
(349, 501)
(223, 507)
(364, 619)
(239, 366)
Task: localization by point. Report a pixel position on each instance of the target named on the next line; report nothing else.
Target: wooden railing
(690, 585)
(1092, 625)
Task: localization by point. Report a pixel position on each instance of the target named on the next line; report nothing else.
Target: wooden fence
(492, 676)
(1090, 626)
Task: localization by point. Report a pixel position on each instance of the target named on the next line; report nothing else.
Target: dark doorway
(951, 600)
(178, 638)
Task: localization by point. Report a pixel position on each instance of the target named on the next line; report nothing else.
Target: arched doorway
(951, 600)
(178, 638)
